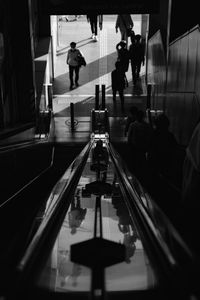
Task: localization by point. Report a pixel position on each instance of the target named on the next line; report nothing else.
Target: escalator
(101, 236)
(30, 171)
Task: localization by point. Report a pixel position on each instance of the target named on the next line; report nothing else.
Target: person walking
(93, 20)
(73, 55)
(136, 54)
(118, 82)
(125, 24)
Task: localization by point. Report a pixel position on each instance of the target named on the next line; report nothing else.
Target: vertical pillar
(96, 97)
(103, 91)
(72, 115)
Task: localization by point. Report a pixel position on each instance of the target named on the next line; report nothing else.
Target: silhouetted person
(164, 155)
(118, 81)
(123, 55)
(124, 22)
(130, 118)
(73, 62)
(139, 136)
(76, 214)
(93, 20)
(136, 54)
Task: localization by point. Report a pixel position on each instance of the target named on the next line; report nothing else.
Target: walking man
(72, 60)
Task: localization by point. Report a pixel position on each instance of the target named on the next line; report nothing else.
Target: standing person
(118, 82)
(130, 118)
(124, 23)
(72, 60)
(139, 137)
(123, 55)
(136, 54)
(93, 19)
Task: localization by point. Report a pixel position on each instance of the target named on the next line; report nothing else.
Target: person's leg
(77, 75)
(133, 68)
(95, 25)
(114, 94)
(138, 70)
(71, 71)
(123, 35)
(121, 95)
(92, 28)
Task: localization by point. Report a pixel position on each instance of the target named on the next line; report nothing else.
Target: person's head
(132, 37)
(73, 45)
(162, 122)
(137, 38)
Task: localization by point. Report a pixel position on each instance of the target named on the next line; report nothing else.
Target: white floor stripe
(86, 95)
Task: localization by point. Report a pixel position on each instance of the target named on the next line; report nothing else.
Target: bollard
(72, 115)
(148, 96)
(96, 97)
(103, 91)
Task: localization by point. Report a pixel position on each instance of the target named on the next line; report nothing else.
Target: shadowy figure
(93, 20)
(125, 24)
(73, 55)
(136, 54)
(100, 153)
(123, 55)
(139, 137)
(100, 159)
(164, 154)
(130, 118)
(118, 82)
(76, 214)
(191, 190)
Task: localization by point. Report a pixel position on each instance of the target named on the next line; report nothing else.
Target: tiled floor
(100, 57)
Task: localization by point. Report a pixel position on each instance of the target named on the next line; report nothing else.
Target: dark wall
(18, 69)
(159, 21)
(184, 16)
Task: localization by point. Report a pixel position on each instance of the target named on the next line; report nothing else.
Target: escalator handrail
(21, 145)
(27, 185)
(144, 214)
(37, 241)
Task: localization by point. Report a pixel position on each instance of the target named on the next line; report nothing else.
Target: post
(148, 96)
(96, 97)
(103, 91)
(72, 115)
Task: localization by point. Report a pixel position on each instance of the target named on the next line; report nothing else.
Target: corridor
(100, 57)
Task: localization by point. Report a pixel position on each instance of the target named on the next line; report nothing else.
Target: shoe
(77, 84)
(95, 38)
(71, 87)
